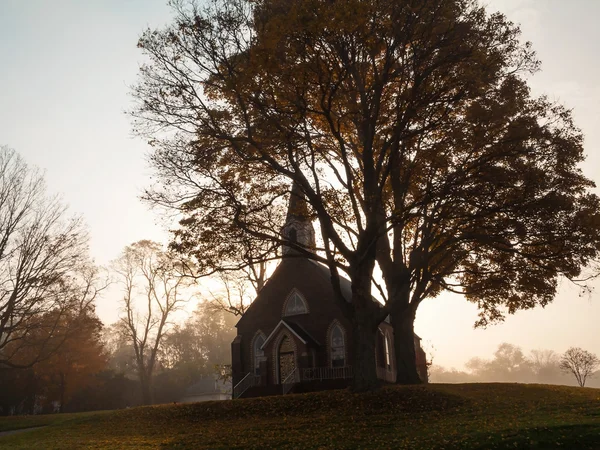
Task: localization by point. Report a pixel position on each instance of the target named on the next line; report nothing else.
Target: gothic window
(388, 358)
(294, 305)
(380, 348)
(337, 347)
(258, 353)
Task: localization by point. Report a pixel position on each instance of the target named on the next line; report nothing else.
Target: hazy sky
(65, 68)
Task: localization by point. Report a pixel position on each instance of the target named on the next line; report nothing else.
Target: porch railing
(245, 383)
(297, 376)
(326, 373)
(290, 381)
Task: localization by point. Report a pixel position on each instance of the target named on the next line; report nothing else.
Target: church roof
(278, 281)
(345, 283)
(345, 286)
(296, 329)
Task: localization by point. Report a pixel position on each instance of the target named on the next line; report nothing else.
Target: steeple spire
(298, 226)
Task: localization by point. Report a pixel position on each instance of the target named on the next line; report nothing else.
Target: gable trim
(293, 292)
(272, 335)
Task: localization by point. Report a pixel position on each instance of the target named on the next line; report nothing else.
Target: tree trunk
(364, 329)
(62, 393)
(404, 347)
(146, 385)
(364, 367)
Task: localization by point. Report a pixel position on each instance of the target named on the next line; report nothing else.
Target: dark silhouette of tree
(76, 362)
(44, 268)
(152, 286)
(411, 131)
(580, 363)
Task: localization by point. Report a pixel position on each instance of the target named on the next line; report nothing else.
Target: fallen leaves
(436, 416)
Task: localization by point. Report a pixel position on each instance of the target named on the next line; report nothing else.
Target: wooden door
(287, 359)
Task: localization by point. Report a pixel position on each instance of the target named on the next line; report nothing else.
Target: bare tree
(43, 265)
(580, 363)
(153, 292)
(544, 364)
(234, 294)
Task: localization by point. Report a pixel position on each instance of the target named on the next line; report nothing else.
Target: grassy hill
(435, 416)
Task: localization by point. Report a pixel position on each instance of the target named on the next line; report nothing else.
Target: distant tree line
(96, 368)
(55, 353)
(511, 364)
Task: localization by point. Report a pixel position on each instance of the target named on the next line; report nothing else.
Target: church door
(287, 359)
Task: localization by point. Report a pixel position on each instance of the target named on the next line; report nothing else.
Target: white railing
(290, 381)
(247, 382)
(326, 373)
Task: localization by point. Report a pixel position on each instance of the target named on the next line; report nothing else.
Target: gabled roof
(345, 283)
(300, 331)
(346, 287)
(295, 329)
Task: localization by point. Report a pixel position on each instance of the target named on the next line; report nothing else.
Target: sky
(65, 71)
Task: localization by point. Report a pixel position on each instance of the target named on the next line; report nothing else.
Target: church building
(294, 337)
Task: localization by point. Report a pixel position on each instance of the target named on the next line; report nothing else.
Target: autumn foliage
(78, 356)
(409, 127)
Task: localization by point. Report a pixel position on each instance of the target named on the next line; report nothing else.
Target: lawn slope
(429, 417)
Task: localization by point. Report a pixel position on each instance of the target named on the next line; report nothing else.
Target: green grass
(20, 422)
(430, 417)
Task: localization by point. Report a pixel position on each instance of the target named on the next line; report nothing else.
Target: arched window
(380, 347)
(259, 354)
(337, 347)
(388, 357)
(294, 305)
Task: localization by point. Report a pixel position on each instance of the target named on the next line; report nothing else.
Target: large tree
(45, 273)
(408, 127)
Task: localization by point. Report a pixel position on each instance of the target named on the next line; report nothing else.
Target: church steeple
(298, 226)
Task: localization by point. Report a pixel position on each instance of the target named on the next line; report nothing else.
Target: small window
(338, 347)
(294, 305)
(259, 354)
(388, 359)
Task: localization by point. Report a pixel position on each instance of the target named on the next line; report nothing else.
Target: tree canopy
(408, 126)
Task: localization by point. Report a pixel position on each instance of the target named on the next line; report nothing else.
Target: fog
(510, 364)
